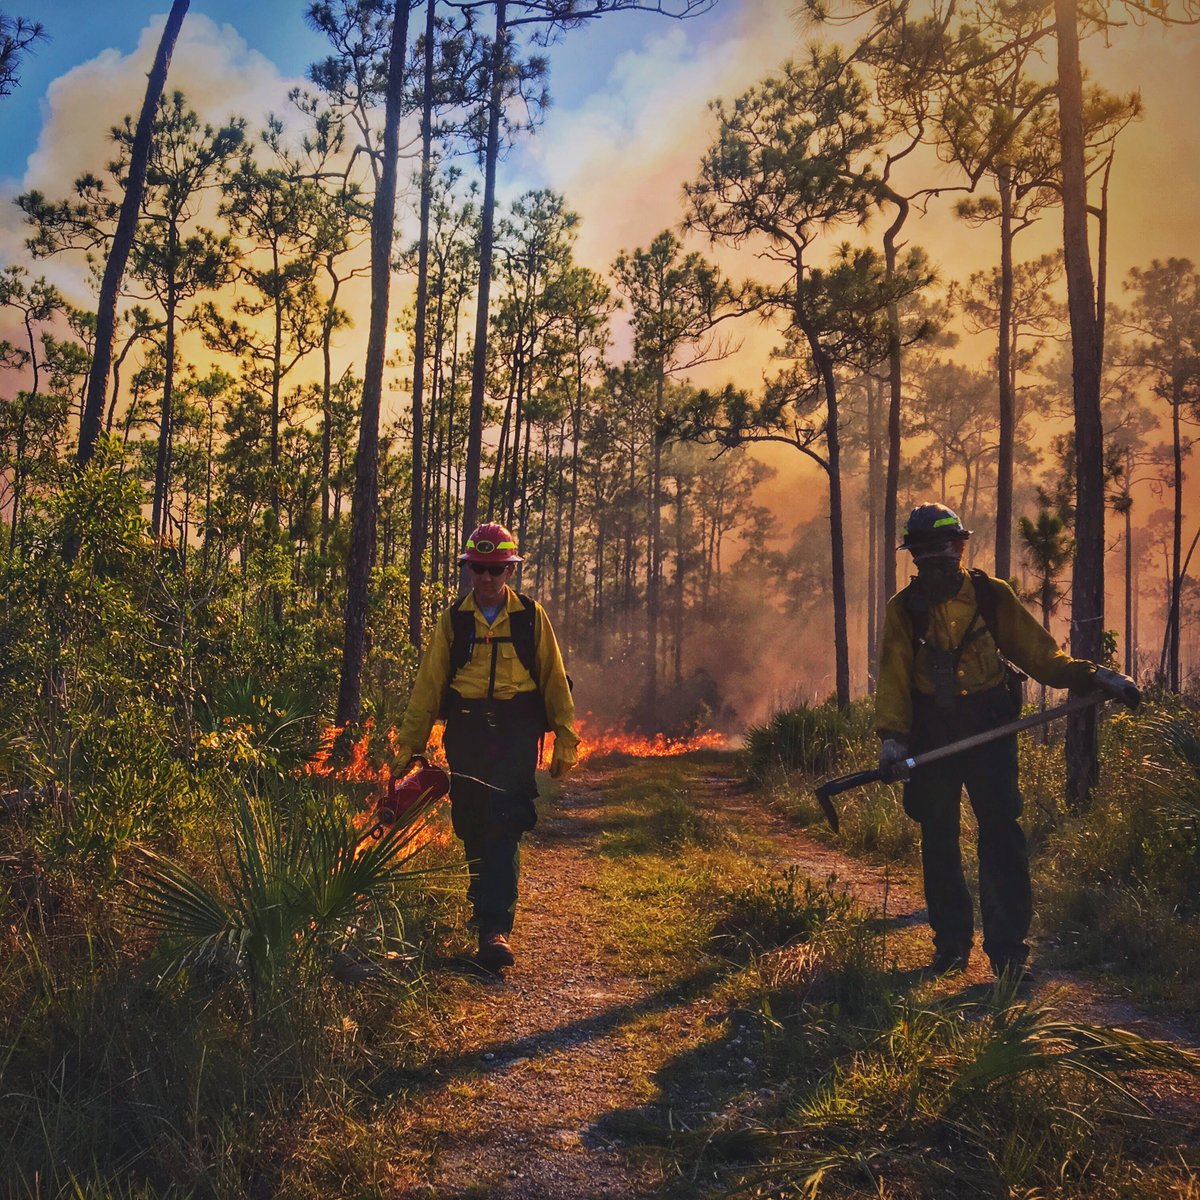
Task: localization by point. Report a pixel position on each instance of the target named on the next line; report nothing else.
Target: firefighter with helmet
(954, 643)
(492, 669)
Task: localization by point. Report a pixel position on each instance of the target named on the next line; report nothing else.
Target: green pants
(934, 798)
(492, 748)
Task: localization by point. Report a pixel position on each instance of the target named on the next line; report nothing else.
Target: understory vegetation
(179, 900)
(219, 1058)
(1117, 886)
(820, 1067)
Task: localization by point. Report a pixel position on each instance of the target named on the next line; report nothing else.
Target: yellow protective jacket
(1018, 636)
(471, 681)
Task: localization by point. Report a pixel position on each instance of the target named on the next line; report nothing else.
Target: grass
(788, 1055)
(1115, 887)
(774, 911)
(125, 1071)
(832, 1074)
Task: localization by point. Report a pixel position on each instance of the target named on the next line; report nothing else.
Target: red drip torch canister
(426, 785)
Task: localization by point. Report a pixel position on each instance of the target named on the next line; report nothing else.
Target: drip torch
(407, 792)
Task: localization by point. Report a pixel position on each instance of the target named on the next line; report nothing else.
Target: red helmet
(492, 544)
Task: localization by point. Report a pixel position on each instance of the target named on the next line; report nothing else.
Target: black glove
(893, 754)
(1117, 686)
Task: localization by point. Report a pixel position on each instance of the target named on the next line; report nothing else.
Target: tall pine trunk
(837, 536)
(327, 326)
(1087, 577)
(576, 432)
(874, 464)
(364, 511)
(680, 567)
(416, 544)
(1004, 369)
(1130, 656)
(652, 560)
(470, 507)
(162, 464)
(837, 541)
(1173, 613)
(891, 521)
(118, 255)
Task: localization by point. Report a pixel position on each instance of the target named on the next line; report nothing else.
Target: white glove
(1119, 687)
(892, 756)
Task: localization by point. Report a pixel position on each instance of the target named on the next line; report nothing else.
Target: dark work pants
(934, 796)
(492, 750)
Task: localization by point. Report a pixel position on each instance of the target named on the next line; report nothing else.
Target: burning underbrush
(367, 767)
(367, 764)
(599, 743)
(370, 758)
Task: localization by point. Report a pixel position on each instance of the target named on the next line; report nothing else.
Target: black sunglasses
(484, 569)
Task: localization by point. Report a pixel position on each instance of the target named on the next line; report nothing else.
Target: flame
(369, 762)
(613, 741)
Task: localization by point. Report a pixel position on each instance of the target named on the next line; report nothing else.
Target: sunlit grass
(1115, 886)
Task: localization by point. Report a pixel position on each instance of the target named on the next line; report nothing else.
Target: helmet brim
(926, 539)
(490, 560)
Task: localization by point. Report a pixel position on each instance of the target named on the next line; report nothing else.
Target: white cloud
(212, 65)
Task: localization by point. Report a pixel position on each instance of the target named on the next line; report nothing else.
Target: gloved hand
(1119, 687)
(404, 757)
(892, 754)
(559, 766)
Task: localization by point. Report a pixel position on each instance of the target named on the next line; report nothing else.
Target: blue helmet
(929, 524)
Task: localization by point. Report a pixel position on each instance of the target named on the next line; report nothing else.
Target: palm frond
(295, 882)
(1026, 1039)
(348, 875)
(1180, 736)
(183, 909)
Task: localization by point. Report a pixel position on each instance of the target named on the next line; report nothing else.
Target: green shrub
(1118, 884)
(293, 887)
(777, 911)
(797, 739)
(247, 727)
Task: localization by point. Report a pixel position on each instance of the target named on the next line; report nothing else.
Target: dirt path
(547, 1060)
(893, 893)
(545, 1051)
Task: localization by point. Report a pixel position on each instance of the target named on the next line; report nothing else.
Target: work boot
(494, 951)
(949, 962)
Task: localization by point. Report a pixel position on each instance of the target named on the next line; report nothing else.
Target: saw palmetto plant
(289, 890)
(1179, 768)
(797, 739)
(992, 1093)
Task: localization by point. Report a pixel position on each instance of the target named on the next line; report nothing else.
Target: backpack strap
(985, 600)
(524, 638)
(462, 641)
(917, 608)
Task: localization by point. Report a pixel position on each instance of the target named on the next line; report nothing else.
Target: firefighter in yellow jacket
(493, 670)
(944, 674)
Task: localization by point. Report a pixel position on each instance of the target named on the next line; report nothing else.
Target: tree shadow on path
(443, 1069)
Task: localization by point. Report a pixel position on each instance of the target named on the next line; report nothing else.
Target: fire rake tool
(891, 773)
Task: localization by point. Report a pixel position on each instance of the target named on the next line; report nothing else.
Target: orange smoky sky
(628, 126)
